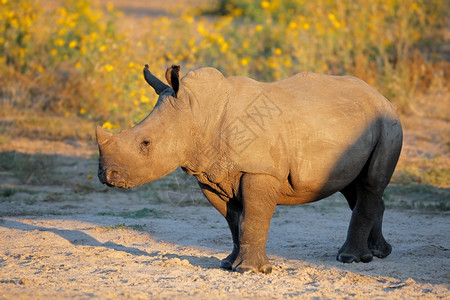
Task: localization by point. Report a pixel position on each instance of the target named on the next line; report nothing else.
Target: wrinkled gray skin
(253, 146)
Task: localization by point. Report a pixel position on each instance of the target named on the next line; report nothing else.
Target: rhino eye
(145, 143)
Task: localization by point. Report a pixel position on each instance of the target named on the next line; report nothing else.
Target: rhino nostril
(112, 174)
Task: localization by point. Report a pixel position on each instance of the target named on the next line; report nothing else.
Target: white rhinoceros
(253, 146)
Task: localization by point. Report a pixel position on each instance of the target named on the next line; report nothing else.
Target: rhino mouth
(119, 184)
(114, 178)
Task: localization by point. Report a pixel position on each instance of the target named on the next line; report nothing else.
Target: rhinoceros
(252, 146)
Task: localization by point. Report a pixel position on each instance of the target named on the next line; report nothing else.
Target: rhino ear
(173, 77)
(102, 135)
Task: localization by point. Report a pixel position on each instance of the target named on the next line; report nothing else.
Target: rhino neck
(206, 123)
(199, 112)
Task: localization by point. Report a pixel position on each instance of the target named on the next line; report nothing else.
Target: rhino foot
(244, 269)
(349, 258)
(226, 264)
(349, 254)
(380, 250)
(252, 262)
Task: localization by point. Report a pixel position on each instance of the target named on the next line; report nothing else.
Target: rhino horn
(102, 135)
(154, 82)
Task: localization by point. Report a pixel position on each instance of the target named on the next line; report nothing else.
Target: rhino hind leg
(349, 193)
(376, 242)
(356, 248)
(365, 197)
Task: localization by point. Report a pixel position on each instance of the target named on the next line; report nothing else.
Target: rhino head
(154, 147)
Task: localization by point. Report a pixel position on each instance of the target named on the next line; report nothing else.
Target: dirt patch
(177, 254)
(66, 235)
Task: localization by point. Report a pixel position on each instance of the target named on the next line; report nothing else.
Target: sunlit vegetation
(64, 70)
(72, 61)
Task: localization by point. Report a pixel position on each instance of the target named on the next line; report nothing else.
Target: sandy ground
(87, 241)
(80, 254)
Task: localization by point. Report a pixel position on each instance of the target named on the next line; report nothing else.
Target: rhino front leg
(259, 194)
(233, 216)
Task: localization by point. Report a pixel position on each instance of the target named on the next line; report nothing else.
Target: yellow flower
(293, 25)
(201, 29)
(237, 12)
(78, 65)
(224, 47)
(73, 44)
(144, 99)
(40, 68)
(131, 65)
(334, 20)
(63, 12)
(305, 26)
(94, 36)
(188, 18)
(278, 51)
(59, 42)
(259, 27)
(265, 4)
(54, 52)
(108, 68)
(287, 63)
(245, 61)
(102, 48)
(82, 111)
(107, 125)
(14, 23)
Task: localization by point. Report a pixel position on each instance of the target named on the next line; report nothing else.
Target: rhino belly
(329, 170)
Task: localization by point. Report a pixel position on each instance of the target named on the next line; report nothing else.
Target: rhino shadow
(80, 238)
(77, 238)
